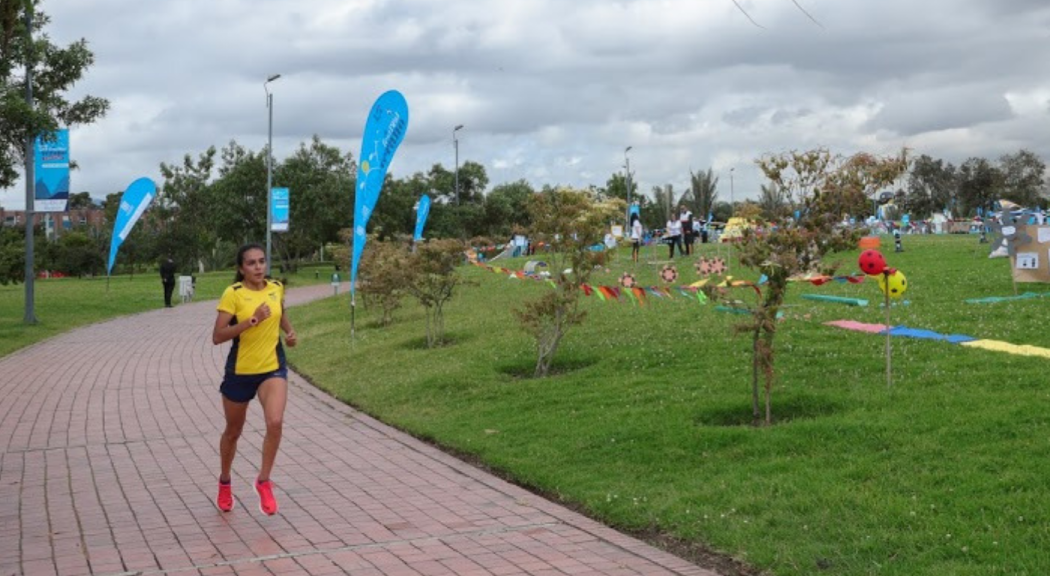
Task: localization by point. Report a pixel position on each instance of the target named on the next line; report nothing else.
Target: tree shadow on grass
(450, 339)
(525, 368)
(798, 407)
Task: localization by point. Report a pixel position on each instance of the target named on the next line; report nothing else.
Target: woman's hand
(291, 339)
(262, 312)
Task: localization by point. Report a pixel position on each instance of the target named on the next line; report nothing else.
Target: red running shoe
(225, 500)
(267, 503)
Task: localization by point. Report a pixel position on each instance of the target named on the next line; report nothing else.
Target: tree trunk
(755, 414)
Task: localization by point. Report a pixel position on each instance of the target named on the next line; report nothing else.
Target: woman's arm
(290, 337)
(223, 331)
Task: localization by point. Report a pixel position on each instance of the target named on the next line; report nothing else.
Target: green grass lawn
(61, 304)
(644, 426)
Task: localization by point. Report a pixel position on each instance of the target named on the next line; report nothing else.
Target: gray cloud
(554, 92)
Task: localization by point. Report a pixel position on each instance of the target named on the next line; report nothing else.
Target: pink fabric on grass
(858, 326)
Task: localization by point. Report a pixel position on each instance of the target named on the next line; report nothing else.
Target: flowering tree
(572, 221)
(823, 187)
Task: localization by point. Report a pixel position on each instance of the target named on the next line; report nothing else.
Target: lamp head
(458, 127)
(273, 77)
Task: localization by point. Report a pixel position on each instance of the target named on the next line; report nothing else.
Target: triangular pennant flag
(630, 294)
(640, 294)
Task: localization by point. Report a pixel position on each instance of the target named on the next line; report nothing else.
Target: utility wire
(808, 15)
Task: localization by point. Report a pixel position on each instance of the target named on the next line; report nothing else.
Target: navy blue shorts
(243, 387)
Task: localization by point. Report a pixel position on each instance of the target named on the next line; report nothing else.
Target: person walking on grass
(251, 313)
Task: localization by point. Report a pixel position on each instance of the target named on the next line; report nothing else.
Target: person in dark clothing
(167, 278)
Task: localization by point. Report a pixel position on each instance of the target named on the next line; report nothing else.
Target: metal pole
(269, 167)
(455, 144)
(30, 316)
(732, 203)
(269, 179)
(627, 165)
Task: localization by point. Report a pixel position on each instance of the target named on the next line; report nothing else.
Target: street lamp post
(627, 165)
(269, 168)
(732, 204)
(30, 316)
(455, 144)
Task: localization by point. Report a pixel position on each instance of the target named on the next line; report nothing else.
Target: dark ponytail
(238, 277)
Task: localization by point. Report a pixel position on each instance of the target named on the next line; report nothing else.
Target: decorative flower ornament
(669, 274)
(627, 280)
(717, 266)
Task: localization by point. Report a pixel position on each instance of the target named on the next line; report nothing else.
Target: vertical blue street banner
(421, 216)
(51, 164)
(634, 209)
(384, 130)
(133, 202)
(280, 205)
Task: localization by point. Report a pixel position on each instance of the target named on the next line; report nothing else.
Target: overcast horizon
(555, 92)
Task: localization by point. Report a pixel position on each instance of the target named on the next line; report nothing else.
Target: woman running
(251, 313)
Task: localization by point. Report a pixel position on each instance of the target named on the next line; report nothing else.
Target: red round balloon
(872, 262)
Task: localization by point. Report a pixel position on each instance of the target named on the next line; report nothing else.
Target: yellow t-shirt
(258, 349)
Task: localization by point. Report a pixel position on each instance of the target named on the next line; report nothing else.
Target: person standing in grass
(636, 236)
(251, 313)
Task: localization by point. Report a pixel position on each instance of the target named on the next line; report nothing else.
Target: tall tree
(616, 187)
(321, 180)
(980, 185)
(665, 201)
(55, 70)
(931, 186)
(237, 199)
(1022, 174)
(773, 203)
(80, 200)
(703, 192)
(572, 221)
(506, 207)
(182, 208)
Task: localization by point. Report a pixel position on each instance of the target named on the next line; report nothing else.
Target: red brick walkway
(109, 458)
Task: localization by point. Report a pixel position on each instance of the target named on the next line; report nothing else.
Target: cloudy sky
(554, 91)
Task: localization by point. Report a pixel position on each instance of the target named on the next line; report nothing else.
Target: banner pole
(889, 378)
(353, 309)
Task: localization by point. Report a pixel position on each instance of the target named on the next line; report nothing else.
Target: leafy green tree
(616, 187)
(181, 216)
(12, 255)
(572, 221)
(773, 203)
(434, 281)
(386, 272)
(980, 185)
(56, 70)
(394, 216)
(506, 206)
(665, 204)
(1023, 180)
(79, 255)
(236, 200)
(321, 179)
(702, 193)
(797, 247)
(80, 200)
(931, 186)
